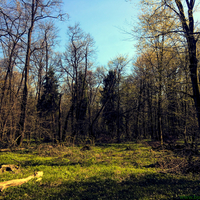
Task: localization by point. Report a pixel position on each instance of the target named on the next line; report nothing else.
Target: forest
(99, 131)
(63, 97)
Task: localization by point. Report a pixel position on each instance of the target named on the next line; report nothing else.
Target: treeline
(63, 97)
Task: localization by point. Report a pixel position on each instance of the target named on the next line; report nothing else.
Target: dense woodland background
(64, 97)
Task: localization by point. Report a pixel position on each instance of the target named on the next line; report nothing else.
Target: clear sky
(102, 19)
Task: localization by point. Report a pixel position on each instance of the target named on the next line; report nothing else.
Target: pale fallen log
(13, 149)
(16, 182)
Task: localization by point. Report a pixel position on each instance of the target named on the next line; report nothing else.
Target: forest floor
(105, 171)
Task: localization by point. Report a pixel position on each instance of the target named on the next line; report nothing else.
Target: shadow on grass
(116, 145)
(144, 187)
(148, 187)
(56, 163)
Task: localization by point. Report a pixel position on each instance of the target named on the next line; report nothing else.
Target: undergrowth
(112, 171)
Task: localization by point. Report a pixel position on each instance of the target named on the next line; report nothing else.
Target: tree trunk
(21, 125)
(59, 121)
(191, 42)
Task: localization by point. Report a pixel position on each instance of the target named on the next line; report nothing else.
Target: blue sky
(102, 19)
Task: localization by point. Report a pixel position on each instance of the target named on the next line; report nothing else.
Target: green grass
(105, 172)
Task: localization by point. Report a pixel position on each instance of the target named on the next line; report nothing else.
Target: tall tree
(191, 38)
(35, 11)
(11, 35)
(81, 103)
(48, 104)
(118, 65)
(109, 95)
(185, 26)
(79, 51)
(49, 99)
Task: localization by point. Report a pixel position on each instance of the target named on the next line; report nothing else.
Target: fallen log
(13, 149)
(17, 182)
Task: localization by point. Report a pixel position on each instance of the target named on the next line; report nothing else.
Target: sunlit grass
(114, 171)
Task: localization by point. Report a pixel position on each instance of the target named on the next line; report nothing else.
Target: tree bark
(21, 125)
(191, 42)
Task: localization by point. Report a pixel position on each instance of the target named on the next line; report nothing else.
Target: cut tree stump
(17, 182)
(86, 148)
(11, 168)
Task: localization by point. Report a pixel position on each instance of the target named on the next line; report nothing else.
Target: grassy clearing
(114, 171)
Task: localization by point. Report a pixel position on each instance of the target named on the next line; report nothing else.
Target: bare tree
(167, 21)
(77, 61)
(35, 11)
(12, 30)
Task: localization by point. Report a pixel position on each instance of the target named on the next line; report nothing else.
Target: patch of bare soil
(177, 159)
(105, 139)
(172, 165)
(49, 150)
(153, 144)
(86, 148)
